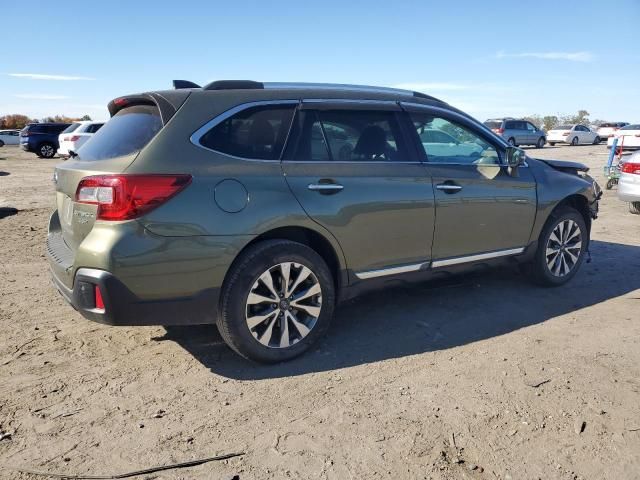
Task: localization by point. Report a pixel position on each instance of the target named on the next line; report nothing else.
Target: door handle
(325, 187)
(449, 187)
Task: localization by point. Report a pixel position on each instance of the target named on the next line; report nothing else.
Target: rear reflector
(633, 168)
(123, 197)
(99, 301)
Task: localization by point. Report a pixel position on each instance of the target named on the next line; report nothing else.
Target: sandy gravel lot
(481, 377)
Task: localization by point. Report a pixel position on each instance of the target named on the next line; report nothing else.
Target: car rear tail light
(565, 134)
(499, 131)
(98, 297)
(123, 197)
(633, 168)
(74, 138)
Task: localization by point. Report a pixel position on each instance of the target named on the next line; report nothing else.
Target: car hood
(566, 166)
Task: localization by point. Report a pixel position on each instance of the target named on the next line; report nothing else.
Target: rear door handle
(449, 187)
(325, 187)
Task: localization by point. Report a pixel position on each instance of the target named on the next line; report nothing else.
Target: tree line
(17, 121)
(549, 122)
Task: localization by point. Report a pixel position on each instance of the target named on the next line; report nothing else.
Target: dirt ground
(480, 377)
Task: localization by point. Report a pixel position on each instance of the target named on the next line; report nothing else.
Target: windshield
(493, 124)
(128, 131)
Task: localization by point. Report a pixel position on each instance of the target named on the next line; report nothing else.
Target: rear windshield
(128, 131)
(631, 127)
(71, 128)
(493, 124)
(564, 127)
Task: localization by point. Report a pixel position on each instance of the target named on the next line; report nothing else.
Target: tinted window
(564, 127)
(493, 124)
(71, 128)
(257, 133)
(348, 136)
(530, 127)
(631, 127)
(465, 146)
(128, 131)
(94, 127)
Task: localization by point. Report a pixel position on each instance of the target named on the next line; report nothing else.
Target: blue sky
(488, 58)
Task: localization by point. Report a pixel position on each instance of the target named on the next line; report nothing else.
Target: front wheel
(541, 142)
(46, 150)
(597, 141)
(634, 207)
(1, 143)
(512, 141)
(574, 141)
(561, 248)
(278, 299)
(553, 144)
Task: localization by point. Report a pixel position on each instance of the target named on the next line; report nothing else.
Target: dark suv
(259, 206)
(42, 138)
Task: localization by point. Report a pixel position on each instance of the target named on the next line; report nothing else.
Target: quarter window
(449, 142)
(255, 133)
(347, 136)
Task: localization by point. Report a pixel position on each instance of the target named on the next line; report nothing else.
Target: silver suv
(517, 132)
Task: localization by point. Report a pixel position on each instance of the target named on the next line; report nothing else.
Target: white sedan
(9, 137)
(628, 137)
(573, 135)
(76, 135)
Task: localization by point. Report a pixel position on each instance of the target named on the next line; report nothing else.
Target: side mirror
(515, 157)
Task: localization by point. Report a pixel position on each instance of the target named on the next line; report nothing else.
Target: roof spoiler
(180, 84)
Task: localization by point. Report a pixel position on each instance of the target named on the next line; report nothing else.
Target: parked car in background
(573, 135)
(9, 137)
(628, 138)
(517, 132)
(76, 135)
(41, 138)
(259, 206)
(606, 130)
(629, 183)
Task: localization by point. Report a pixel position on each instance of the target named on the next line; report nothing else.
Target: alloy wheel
(563, 248)
(283, 305)
(47, 151)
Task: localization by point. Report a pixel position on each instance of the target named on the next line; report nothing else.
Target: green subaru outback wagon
(258, 207)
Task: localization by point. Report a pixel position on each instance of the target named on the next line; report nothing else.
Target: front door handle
(449, 187)
(325, 187)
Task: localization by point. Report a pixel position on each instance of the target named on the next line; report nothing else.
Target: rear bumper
(629, 188)
(122, 307)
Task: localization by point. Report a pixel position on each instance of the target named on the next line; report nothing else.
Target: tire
(596, 141)
(553, 144)
(1, 143)
(634, 207)
(512, 142)
(574, 141)
(46, 150)
(280, 335)
(610, 183)
(541, 142)
(559, 273)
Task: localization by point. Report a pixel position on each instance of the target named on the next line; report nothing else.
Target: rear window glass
(564, 127)
(71, 128)
(128, 131)
(491, 124)
(255, 133)
(631, 127)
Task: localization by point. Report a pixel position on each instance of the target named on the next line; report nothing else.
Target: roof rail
(344, 86)
(234, 85)
(180, 84)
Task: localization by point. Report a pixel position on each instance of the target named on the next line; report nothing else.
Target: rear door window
(254, 133)
(128, 131)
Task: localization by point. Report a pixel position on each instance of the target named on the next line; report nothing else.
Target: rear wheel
(597, 141)
(574, 141)
(541, 142)
(278, 299)
(512, 141)
(634, 207)
(561, 248)
(553, 144)
(1, 143)
(46, 150)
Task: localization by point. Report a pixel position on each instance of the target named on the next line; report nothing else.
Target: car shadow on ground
(431, 316)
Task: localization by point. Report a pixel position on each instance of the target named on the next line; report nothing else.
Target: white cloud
(40, 96)
(570, 56)
(436, 86)
(42, 76)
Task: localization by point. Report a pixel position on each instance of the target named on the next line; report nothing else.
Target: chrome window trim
(199, 133)
(477, 257)
(390, 271)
